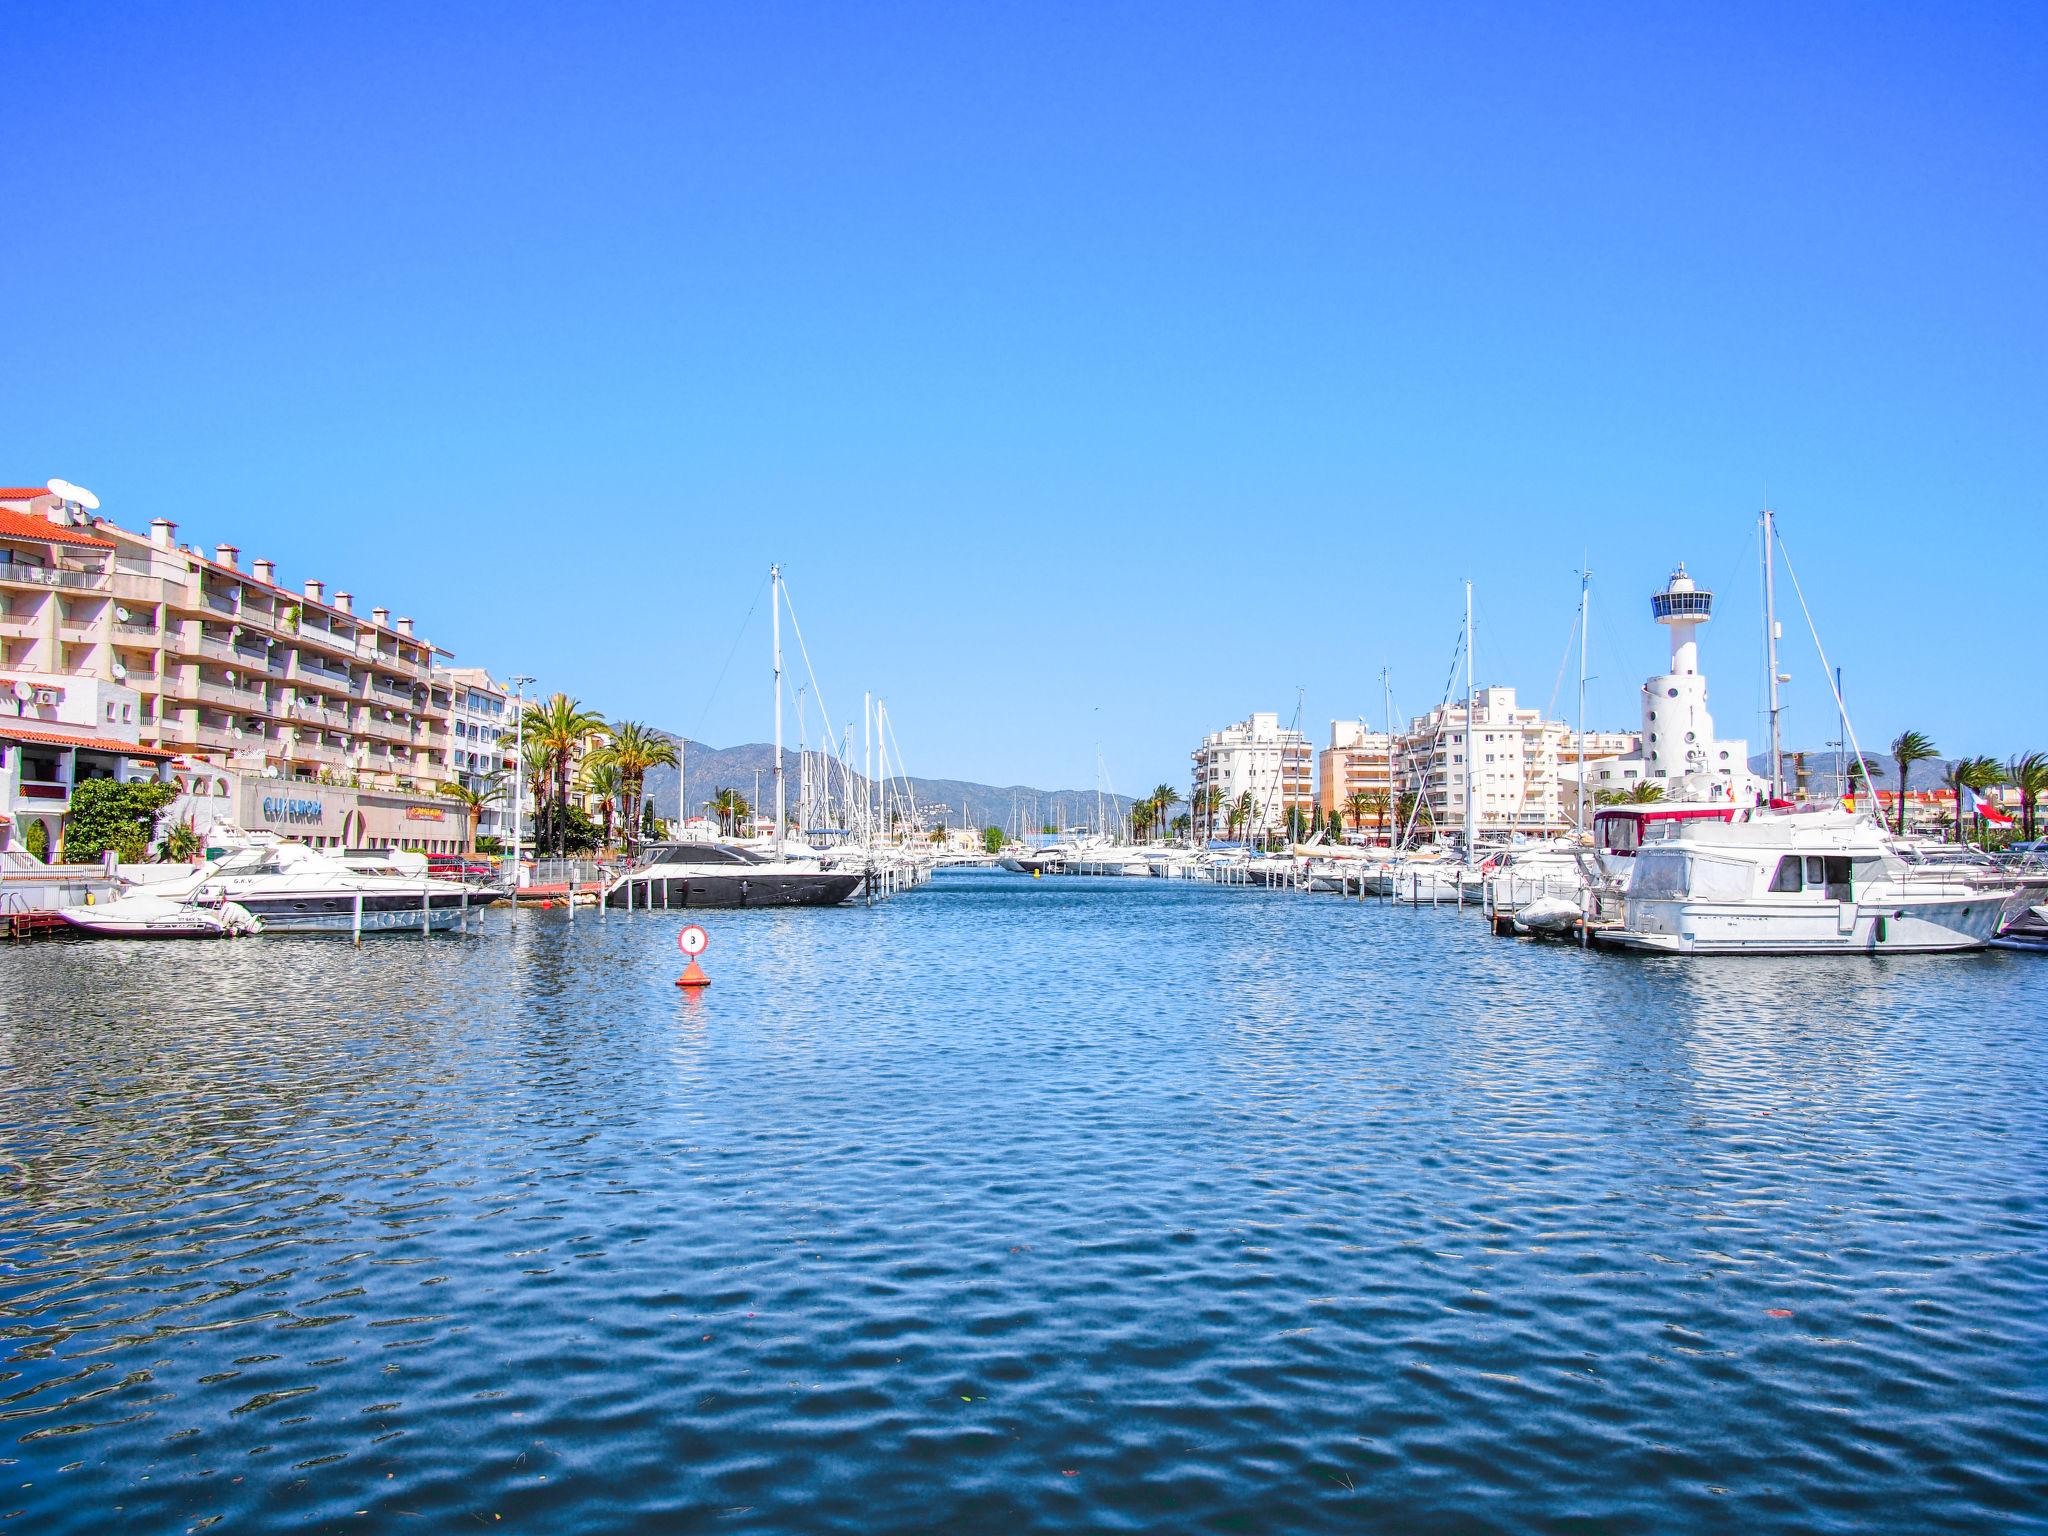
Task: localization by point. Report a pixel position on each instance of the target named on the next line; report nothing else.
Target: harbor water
(1019, 1205)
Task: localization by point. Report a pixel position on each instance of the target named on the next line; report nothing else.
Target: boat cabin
(702, 853)
(1622, 830)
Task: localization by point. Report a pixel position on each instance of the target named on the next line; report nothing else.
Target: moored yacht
(1795, 883)
(694, 874)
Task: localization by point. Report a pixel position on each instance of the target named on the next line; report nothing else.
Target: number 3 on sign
(693, 941)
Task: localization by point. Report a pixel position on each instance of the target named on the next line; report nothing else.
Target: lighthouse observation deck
(1682, 602)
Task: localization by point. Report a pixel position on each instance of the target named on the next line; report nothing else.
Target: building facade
(1258, 767)
(482, 746)
(223, 666)
(1512, 755)
(1357, 761)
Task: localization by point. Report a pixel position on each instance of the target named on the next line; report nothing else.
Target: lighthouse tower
(1678, 733)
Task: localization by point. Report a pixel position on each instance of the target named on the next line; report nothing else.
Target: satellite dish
(120, 672)
(64, 490)
(230, 676)
(23, 692)
(121, 613)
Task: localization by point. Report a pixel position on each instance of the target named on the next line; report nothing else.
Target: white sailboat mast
(1471, 739)
(1769, 521)
(775, 630)
(1585, 614)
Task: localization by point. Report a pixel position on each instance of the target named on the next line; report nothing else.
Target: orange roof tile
(22, 492)
(16, 730)
(26, 525)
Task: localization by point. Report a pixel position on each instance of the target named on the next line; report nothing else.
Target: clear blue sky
(1100, 373)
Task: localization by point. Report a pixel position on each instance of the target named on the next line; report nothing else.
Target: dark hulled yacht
(722, 875)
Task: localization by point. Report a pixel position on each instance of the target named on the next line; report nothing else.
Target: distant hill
(711, 769)
(1821, 770)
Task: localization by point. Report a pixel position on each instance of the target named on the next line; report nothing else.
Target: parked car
(453, 866)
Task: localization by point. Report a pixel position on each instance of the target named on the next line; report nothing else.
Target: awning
(15, 730)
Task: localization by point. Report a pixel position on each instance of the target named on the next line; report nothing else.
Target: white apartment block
(1511, 753)
(482, 741)
(1254, 757)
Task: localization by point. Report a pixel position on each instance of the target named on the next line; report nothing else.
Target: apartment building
(483, 741)
(1357, 761)
(1511, 753)
(227, 664)
(1608, 759)
(1258, 759)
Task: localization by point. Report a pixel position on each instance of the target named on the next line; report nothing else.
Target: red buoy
(693, 941)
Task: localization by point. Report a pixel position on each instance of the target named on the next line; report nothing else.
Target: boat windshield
(702, 853)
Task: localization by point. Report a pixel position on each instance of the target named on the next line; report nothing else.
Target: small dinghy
(1548, 914)
(142, 916)
(2028, 931)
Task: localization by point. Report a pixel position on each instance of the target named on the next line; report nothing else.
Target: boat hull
(1922, 927)
(697, 892)
(394, 912)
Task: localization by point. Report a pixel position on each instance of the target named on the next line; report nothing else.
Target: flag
(1975, 804)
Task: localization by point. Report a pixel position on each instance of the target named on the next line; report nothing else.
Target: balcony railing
(43, 789)
(48, 576)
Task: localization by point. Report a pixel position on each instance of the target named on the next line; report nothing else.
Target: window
(1830, 874)
(1786, 881)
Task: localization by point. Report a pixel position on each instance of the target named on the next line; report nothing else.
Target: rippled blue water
(1016, 1205)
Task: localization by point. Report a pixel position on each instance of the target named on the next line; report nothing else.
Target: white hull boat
(145, 916)
(1798, 883)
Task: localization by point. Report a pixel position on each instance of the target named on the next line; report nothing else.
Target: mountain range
(711, 769)
(1821, 768)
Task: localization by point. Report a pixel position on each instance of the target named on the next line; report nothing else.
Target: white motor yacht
(1798, 882)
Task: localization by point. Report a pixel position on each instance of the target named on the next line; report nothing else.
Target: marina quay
(1024, 771)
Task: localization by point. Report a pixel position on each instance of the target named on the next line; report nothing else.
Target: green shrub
(109, 815)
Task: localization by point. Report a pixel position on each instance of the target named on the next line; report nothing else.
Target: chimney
(225, 554)
(381, 617)
(316, 591)
(163, 533)
(405, 628)
(266, 571)
(345, 601)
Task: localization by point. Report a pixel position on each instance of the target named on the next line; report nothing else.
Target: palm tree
(633, 749)
(475, 800)
(2029, 775)
(732, 808)
(1644, 793)
(1908, 748)
(1164, 797)
(557, 729)
(601, 777)
(1358, 806)
(1379, 802)
(1240, 813)
(1974, 774)
(1207, 803)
